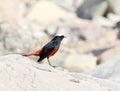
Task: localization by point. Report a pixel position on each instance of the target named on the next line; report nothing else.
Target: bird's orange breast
(53, 52)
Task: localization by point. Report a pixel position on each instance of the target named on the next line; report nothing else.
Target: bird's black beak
(65, 37)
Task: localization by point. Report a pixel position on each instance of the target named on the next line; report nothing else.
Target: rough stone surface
(18, 73)
(109, 69)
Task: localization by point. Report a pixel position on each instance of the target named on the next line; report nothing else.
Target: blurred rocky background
(92, 28)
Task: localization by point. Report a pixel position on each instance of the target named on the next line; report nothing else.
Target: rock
(92, 8)
(69, 17)
(12, 12)
(115, 5)
(82, 29)
(118, 35)
(117, 26)
(105, 56)
(109, 69)
(20, 41)
(51, 29)
(113, 17)
(45, 12)
(70, 5)
(105, 82)
(100, 9)
(103, 21)
(16, 69)
(92, 31)
(79, 63)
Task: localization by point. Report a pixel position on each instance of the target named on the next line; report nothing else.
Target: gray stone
(109, 69)
(105, 56)
(92, 8)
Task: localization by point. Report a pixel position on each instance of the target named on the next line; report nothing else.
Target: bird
(48, 50)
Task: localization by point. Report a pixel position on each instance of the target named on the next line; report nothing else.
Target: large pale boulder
(45, 12)
(18, 73)
(79, 63)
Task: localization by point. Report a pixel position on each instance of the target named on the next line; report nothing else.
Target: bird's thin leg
(50, 63)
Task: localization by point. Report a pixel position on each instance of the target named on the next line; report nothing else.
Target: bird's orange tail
(37, 53)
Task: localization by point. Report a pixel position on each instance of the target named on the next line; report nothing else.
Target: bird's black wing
(46, 50)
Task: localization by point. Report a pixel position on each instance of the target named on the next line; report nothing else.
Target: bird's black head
(59, 37)
(62, 36)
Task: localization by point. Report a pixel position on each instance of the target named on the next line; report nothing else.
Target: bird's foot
(54, 66)
(58, 68)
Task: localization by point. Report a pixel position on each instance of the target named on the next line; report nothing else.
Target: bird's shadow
(43, 69)
(47, 68)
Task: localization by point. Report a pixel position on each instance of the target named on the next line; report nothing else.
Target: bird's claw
(54, 66)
